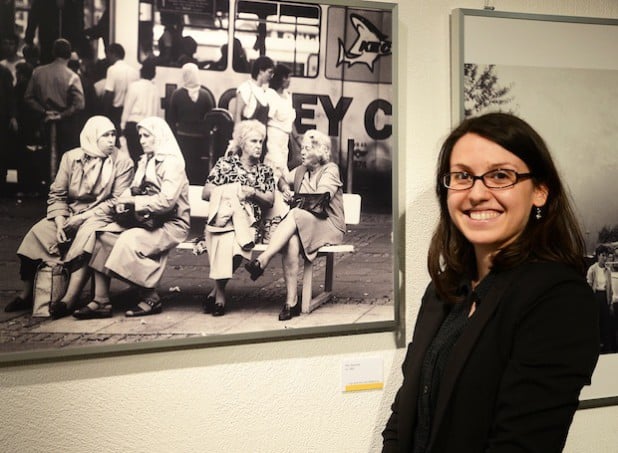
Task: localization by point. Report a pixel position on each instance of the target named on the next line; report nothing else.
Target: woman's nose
(478, 191)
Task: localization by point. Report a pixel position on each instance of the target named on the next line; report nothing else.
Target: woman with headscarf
(137, 255)
(80, 202)
(187, 108)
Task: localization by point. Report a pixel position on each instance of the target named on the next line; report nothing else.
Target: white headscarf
(93, 130)
(190, 80)
(97, 162)
(165, 144)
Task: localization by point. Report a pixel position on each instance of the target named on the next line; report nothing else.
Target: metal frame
(593, 35)
(397, 324)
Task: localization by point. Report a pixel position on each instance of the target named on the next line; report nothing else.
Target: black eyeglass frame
(518, 177)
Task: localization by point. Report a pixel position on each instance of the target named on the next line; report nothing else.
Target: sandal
(150, 305)
(94, 310)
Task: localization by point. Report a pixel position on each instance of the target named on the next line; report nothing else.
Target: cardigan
(513, 379)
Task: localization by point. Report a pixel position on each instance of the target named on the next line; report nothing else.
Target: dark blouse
(437, 356)
(229, 170)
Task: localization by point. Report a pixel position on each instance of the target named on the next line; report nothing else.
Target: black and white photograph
(180, 173)
(560, 74)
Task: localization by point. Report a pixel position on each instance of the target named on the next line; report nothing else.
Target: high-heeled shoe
(218, 309)
(19, 304)
(288, 312)
(255, 269)
(208, 305)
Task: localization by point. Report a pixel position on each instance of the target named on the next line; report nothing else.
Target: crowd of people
(98, 182)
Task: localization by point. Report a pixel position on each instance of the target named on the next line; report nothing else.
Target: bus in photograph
(340, 57)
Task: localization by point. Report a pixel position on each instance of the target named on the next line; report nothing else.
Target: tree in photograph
(607, 234)
(481, 89)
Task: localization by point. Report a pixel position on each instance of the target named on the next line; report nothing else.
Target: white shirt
(119, 76)
(251, 93)
(142, 100)
(281, 113)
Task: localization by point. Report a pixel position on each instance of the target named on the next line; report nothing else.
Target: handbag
(128, 217)
(50, 284)
(315, 203)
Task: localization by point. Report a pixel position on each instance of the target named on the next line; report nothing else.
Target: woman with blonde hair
(239, 187)
(300, 231)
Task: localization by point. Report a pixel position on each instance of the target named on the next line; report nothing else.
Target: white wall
(282, 396)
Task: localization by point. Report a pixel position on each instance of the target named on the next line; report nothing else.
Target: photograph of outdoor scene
(311, 83)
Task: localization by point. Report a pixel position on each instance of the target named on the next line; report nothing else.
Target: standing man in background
(119, 75)
(55, 93)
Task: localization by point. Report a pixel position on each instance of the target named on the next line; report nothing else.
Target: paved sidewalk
(363, 291)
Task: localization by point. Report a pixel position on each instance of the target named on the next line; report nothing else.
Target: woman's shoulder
(535, 282)
(72, 155)
(548, 272)
(331, 167)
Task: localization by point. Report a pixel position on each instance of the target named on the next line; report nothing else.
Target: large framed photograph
(561, 75)
(339, 59)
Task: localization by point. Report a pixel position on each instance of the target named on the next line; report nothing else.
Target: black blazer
(512, 381)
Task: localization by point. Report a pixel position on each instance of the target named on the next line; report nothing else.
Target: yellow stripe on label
(369, 386)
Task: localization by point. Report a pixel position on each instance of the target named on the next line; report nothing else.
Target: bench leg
(310, 303)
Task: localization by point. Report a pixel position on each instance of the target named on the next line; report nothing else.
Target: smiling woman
(507, 334)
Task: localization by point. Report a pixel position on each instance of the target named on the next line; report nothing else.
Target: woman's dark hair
(556, 236)
(261, 64)
(280, 72)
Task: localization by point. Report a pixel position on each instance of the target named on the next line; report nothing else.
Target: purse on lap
(129, 218)
(315, 203)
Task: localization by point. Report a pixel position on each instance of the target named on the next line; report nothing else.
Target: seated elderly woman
(138, 255)
(80, 200)
(300, 230)
(238, 188)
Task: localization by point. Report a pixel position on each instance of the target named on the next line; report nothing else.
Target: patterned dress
(222, 247)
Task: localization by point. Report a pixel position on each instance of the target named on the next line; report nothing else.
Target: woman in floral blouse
(239, 187)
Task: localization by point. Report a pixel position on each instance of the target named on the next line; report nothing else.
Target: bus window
(289, 33)
(177, 32)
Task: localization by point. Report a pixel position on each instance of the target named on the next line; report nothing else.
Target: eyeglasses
(500, 178)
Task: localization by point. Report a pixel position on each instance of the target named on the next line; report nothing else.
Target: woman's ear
(540, 195)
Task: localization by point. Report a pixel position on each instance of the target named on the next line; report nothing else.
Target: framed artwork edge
(603, 391)
(396, 325)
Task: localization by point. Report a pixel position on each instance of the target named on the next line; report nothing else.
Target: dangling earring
(538, 213)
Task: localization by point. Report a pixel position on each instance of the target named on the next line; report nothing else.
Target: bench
(351, 206)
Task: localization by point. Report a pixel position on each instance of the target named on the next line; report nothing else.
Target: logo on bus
(369, 46)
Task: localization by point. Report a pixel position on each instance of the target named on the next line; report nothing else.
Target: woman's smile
(483, 215)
